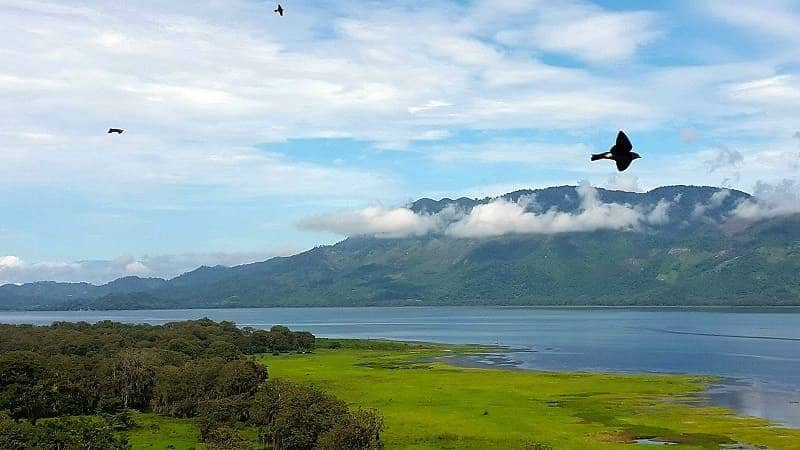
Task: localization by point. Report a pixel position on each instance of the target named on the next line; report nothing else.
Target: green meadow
(154, 431)
(161, 432)
(430, 404)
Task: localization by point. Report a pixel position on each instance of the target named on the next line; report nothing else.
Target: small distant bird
(115, 130)
(279, 10)
(620, 152)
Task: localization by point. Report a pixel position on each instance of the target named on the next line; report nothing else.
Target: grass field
(429, 405)
(159, 432)
(154, 431)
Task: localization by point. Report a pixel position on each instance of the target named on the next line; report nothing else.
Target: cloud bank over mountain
(495, 218)
(501, 215)
(377, 221)
(770, 200)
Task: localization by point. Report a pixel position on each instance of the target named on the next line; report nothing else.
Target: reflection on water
(777, 406)
(758, 347)
(646, 441)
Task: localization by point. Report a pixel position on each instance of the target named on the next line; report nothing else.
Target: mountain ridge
(691, 260)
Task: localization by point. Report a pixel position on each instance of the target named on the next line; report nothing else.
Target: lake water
(756, 350)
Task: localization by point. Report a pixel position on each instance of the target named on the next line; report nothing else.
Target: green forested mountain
(706, 258)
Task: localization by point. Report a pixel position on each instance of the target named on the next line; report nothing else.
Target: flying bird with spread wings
(620, 152)
(115, 130)
(279, 10)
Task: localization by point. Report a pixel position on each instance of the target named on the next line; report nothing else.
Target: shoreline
(414, 306)
(719, 390)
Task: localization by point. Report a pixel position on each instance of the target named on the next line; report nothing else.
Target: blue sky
(240, 124)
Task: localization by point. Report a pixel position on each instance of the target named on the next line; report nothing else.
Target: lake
(756, 350)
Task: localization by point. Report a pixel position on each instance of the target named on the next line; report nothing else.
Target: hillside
(685, 258)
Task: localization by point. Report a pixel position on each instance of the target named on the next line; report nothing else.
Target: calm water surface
(757, 350)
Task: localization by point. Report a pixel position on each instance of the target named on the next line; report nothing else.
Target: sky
(242, 127)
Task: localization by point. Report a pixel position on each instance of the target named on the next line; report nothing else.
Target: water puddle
(651, 441)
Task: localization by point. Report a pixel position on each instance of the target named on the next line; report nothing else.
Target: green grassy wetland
(431, 404)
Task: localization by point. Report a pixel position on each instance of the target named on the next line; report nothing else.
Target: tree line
(69, 384)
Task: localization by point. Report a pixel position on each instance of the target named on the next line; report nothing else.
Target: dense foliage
(75, 382)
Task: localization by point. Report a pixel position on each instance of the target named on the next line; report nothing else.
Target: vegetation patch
(76, 386)
(436, 405)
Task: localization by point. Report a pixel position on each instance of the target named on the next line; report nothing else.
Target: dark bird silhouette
(620, 152)
(279, 10)
(115, 130)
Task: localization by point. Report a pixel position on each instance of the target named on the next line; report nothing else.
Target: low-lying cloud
(770, 200)
(14, 269)
(498, 217)
(713, 203)
(377, 221)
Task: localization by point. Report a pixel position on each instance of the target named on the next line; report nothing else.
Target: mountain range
(674, 245)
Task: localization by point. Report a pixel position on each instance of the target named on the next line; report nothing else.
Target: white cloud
(713, 203)
(599, 37)
(724, 157)
(137, 268)
(198, 86)
(774, 91)
(505, 151)
(623, 182)
(580, 29)
(377, 221)
(10, 262)
(762, 18)
(659, 215)
(497, 217)
(433, 104)
(501, 217)
(770, 200)
(16, 270)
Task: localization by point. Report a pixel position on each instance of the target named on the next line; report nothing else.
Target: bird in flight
(279, 10)
(620, 152)
(115, 130)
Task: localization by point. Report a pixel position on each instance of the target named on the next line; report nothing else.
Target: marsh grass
(429, 404)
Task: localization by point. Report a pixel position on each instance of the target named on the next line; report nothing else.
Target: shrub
(360, 430)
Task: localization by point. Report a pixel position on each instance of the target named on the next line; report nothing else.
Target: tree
(75, 433)
(14, 435)
(305, 341)
(24, 386)
(224, 350)
(134, 375)
(261, 341)
(359, 430)
(282, 339)
(266, 402)
(240, 377)
(303, 414)
(185, 346)
(178, 390)
(212, 414)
